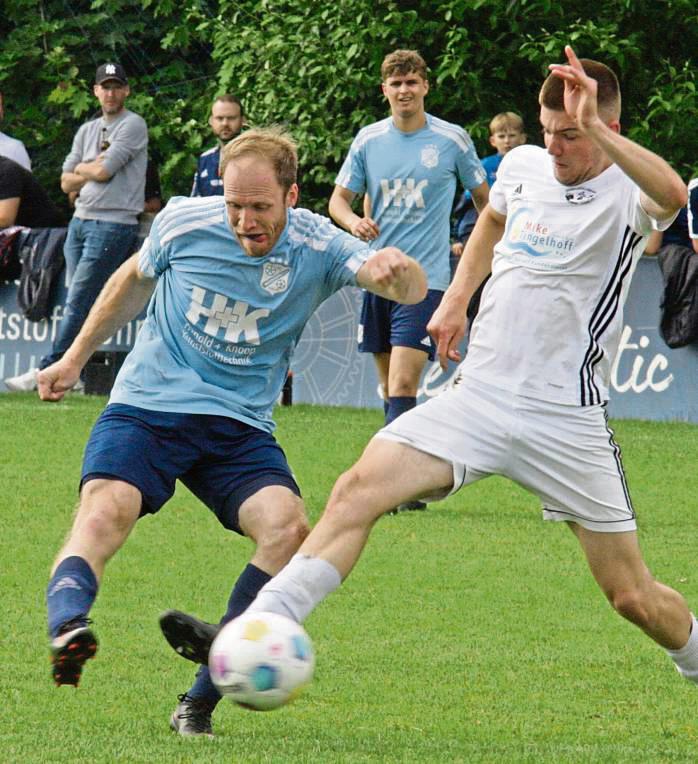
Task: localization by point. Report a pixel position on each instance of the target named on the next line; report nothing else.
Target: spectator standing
(12, 147)
(506, 133)
(106, 167)
(23, 200)
(226, 122)
(408, 165)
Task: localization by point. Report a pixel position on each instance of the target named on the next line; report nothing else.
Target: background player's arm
(124, 296)
(364, 228)
(449, 322)
(481, 195)
(392, 274)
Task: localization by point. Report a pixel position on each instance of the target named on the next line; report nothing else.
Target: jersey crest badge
(275, 277)
(579, 195)
(430, 156)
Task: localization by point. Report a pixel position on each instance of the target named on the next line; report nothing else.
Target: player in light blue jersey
(408, 165)
(231, 281)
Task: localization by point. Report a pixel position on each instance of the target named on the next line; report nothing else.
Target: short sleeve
(153, 258)
(352, 174)
(468, 166)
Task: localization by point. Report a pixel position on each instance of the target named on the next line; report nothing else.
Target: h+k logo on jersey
(410, 192)
(235, 319)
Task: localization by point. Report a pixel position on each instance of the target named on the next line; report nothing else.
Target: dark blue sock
(251, 580)
(70, 593)
(398, 405)
(386, 406)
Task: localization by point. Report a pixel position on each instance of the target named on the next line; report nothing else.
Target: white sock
(298, 588)
(686, 658)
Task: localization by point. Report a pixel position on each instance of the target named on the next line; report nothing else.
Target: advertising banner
(649, 380)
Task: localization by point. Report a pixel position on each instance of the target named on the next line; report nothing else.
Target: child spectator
(506, 132)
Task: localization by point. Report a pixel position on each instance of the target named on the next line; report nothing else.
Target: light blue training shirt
(411, 180)
(221, 326)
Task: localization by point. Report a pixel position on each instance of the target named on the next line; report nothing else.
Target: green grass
(468, 633)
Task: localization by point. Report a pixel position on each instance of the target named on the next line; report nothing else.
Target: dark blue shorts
(386, 324)
(220, 460)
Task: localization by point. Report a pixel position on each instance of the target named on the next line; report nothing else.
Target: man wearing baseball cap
(105, 174)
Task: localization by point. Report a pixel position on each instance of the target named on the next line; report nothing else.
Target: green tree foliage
(314, 66)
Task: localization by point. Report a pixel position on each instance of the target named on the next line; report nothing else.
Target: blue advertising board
(649, 379)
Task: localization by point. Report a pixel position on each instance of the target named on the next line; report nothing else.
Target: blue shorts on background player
(232, 282)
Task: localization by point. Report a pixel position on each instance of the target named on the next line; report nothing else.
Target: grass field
(468, 633)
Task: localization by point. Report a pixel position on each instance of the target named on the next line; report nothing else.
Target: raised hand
(580, 96)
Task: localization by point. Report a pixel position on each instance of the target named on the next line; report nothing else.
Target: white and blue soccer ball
(261, 660)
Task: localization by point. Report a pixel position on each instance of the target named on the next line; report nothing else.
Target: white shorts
(566, 455)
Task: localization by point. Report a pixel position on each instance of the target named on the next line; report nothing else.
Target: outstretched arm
(392, 274)
(124, 296)
(663, 191)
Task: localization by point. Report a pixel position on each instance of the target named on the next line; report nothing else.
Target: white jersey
(551, 316)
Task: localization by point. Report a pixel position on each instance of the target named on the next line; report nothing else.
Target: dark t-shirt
(36, 210)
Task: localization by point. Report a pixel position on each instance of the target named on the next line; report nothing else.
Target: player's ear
(492, 142)
(292, 195)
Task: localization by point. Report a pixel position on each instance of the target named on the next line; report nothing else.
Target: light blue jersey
(221, 326)
(411, 181)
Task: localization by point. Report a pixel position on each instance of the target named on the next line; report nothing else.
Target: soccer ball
(261, 660)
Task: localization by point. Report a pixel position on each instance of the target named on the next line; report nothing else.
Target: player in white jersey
(565, 229)
(233, 281)
(408, 165)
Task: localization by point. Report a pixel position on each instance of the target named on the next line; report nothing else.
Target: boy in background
(506, 132)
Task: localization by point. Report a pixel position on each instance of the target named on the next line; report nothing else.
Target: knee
(403, 386)
(633, 605)
(343, 494)
(108, 506)
(351, 502)
(286, 530)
